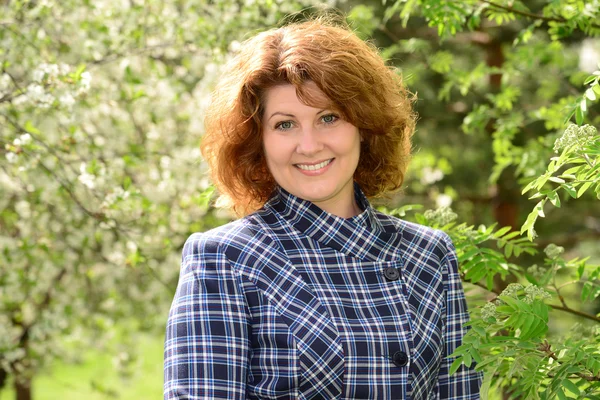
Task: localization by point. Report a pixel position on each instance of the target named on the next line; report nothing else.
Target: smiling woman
(314, 294)
(352, 81)
(312, 153)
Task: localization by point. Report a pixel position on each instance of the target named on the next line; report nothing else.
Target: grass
(96, 378)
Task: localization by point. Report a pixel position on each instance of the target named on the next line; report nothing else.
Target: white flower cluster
(430, 175)
(512, 290)
(11, 157)
(489, 311)
(85, 82)
(117, 194)
(49, 88)
(50, 72)
(22, 140)
(37, 94)
(5, 83)
(553, 251)
(442, 216)
(536, 271)
(85, 177)
(576, 137)
(535, 292)
(12, 152)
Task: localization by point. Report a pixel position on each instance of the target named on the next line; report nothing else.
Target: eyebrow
(289, 115)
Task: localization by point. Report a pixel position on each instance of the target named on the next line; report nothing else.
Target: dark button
(391, 274)
(400, 358)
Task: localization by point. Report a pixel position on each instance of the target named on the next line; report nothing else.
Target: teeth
(313, 167)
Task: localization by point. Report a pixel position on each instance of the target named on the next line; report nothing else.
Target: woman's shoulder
(243, 235)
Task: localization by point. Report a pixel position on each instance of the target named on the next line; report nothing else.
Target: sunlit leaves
(575, 171)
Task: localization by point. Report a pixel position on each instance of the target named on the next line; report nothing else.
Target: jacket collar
(362, 236)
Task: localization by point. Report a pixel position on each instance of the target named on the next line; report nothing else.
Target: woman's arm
(465, 382)
(207, 345)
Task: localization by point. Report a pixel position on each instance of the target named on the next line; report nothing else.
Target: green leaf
(570, 190)
(489, 282)
(511, 235)
(455, 365)
(590, 94)
(589, 79)
(554, 199)
(573, 170)
(586, 291)
(508, 250)
(571, 387)
(500, 232)
(32, 129)
(583, 188)
(579, 116)
(580, 270)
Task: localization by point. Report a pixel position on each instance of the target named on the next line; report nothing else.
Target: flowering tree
(101, 180)
(101, 112)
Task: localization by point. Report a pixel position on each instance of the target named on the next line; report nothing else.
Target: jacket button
(400, 358)
(391, 274)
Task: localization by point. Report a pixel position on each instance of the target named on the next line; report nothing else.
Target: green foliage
(574, 172)
(517, 96)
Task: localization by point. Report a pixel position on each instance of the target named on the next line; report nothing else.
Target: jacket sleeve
(465, 382)
(207, 337)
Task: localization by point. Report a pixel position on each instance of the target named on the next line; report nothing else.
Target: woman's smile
(314, 169)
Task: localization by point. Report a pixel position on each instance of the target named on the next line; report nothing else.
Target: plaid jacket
(292, 302)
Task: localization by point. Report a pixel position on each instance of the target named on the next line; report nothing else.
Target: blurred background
(101, 178)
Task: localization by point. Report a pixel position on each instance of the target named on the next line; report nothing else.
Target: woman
(313, 294)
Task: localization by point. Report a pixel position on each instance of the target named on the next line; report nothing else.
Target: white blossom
(577, 137)
(37, 94)
(48, 71)
(430, 175)
(22, 140)
(5, 82)
(67, 100)
(235, 46)
(165, 162)
(443, 200)
(85, 81)
(131, 246)
(442, 216)
(86, 178)
(11, 157)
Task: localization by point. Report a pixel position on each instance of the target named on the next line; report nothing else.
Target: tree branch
(554, 306)
(528, 14)
(546, 348)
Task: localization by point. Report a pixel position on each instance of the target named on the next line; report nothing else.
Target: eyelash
(335, 118)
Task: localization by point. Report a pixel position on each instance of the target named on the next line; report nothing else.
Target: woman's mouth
(314, 167)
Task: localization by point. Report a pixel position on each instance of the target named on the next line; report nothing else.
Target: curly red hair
(348, 70)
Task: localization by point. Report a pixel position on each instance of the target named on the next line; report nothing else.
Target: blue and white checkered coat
(292, 302)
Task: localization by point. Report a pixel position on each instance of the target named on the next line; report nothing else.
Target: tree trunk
(3, 378)
(23, 388)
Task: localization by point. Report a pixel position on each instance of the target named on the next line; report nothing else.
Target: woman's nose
(309, 142)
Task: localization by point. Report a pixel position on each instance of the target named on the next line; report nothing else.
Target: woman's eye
(284, 125)
(329, 118)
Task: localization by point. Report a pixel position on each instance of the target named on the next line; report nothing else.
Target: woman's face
(311, 152)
